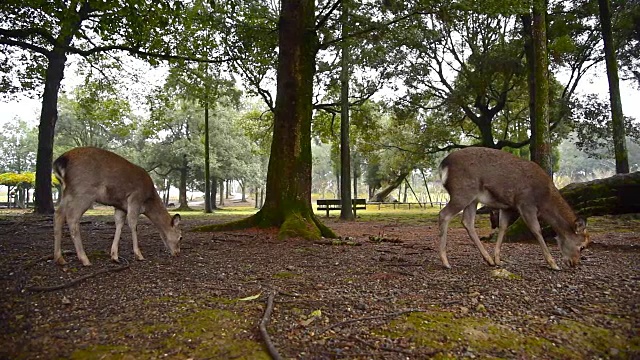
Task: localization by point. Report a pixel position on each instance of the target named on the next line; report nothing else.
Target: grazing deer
(91, 175)
(503, 181)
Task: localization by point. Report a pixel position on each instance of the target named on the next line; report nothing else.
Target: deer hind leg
(73, 211)
(530, 217)
(503, 224)
(132, 219)
(58, 224)
(120, 217)
(446, 214)
(468, 220)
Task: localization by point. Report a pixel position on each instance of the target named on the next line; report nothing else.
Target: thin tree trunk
(617, 118)
(214, 192)
(182, 197)
(346, 210)
(531, 80)
(207, 161)
(426, 186)
(221, 203)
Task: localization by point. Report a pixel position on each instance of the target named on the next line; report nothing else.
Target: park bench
(336, 204)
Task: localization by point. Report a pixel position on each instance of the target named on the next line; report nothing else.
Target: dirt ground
(380, 295)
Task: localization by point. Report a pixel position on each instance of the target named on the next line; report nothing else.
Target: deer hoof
(61, 261)
(115, 260)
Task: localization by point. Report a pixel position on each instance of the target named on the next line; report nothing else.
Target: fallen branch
(77, 280)
(263, 328)
(384, 316)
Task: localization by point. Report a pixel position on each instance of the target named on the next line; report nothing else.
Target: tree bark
(527, 34)
(46, 130)
(182, 197)
(207, 161)
(619, 194)
(287, 203)
(541, 94)
(221, 182)
(346, 210)
(617, 118)
(214, 192)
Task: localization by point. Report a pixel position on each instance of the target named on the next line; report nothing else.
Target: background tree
(617, 118)
(49, 33)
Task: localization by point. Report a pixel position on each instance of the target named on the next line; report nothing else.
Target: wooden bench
(336, 204)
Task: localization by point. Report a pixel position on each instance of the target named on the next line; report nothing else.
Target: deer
(89, 175)
(515, 186)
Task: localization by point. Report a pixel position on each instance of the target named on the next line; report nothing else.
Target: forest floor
(380, 295)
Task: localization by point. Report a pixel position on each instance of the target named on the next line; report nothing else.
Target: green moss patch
(484, 338)
(193, 330)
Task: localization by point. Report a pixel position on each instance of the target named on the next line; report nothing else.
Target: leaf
(250, 298)
(316, 313)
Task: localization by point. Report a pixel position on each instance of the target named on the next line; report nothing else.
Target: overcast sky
(29, 109)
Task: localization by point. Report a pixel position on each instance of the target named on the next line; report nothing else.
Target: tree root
(384, 316)
(263, 328)
(77, 280)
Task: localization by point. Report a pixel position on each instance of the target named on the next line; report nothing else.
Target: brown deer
(503, 181)
(89, 175)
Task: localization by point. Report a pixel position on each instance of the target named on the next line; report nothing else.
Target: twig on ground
(77, 280)
(263, 328)
(384, 316)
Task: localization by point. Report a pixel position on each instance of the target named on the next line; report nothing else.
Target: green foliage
(23, 180)
(95, 114)
(592, 123)
(18, 144)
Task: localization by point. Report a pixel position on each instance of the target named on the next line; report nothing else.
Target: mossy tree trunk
(617, 120)
(540, 126)
(287, 202)
(619, 194)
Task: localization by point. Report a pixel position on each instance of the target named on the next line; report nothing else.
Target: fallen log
(619, 194)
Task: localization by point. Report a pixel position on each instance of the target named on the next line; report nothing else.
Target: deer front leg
(468, 220)
(531, 219)
(120, 218)
(132, 218)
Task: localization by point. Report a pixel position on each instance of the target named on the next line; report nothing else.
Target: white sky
(29, 109)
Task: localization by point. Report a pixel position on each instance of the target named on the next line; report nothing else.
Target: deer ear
(580, 225)
(175, 220)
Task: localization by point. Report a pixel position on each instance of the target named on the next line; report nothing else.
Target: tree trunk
(244, 195)
(617, 119)
(619, 194)
(182, 197)
(287, 202)
(214, 192)
(221, 203)
(531, 71)
(207, 161)
(346, 210)
(382, 194)
(541, 95)
(46, 130)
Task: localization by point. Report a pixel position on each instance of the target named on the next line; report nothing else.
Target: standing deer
(91, 175)
(503, 181)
